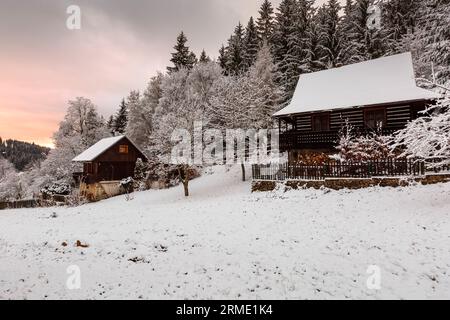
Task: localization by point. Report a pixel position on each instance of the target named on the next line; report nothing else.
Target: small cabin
(379, 94)
(105, 164)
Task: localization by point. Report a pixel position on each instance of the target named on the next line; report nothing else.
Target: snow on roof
(97, 149)
(378, 81)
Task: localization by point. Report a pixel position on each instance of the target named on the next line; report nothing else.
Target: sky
(120, 46)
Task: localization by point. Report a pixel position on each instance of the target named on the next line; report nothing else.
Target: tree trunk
(243, 171)
(186, 188)
(184, 176)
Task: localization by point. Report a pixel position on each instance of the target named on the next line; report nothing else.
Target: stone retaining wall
(349, 183)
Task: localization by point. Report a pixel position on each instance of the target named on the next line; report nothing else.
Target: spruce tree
(265, 22)
(110, 124)
(235, 59)
(314, 57)
(182, 57)
(121, 118)
(297, 44)
(346, 31)
(284, 27)
(204, 57)
(222, 60)
(251, 44)
(366, 43)
(431, 42)
(330, 34)
(399, 19)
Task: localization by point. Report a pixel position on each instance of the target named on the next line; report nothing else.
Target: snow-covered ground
(224, 242)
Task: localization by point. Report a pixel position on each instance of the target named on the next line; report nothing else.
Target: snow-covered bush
(428, 137)
(141, 175)
(360, 148)
(60, 189)
(82, 127)
(127, 184)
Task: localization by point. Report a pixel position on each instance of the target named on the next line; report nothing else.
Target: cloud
(120, 46)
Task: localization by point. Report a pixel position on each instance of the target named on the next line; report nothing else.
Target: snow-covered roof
(378, 81)
(97, 149)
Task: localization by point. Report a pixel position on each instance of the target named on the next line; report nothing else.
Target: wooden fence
(388, 168)
(19, 204)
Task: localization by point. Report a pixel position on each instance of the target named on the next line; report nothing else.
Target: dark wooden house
(377, 94)
(104, 165)
(110, 159)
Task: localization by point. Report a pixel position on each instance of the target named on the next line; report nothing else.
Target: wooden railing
(303, 139)
(388, 168)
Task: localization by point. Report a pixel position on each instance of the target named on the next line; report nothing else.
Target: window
(123, 148)
(285, 125)
(375, 118)
(321, 122)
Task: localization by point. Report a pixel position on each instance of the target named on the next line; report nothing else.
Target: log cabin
(378, 94)
(105, 164)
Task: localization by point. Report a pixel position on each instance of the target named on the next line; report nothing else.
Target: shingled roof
(100, 147)
(379, 81)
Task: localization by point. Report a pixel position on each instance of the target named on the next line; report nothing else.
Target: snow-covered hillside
(224, 242)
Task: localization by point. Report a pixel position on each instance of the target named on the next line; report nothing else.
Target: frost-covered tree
(182, 57)
(9, 181)
(262, 75)
(428, 137)
(141, 172)
(185, 97)
(265, 21)
(141, 111)
(82, 127)
(430, 41)
(247, 101)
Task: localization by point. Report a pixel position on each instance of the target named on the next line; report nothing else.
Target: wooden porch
(295, 140)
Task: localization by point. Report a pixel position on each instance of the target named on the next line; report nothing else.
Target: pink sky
(120, 46)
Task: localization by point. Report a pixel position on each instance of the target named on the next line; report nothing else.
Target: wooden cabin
(105, 164)
(377, 94)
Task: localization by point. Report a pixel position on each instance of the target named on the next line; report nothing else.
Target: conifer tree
(265, 21)
(284, 27)
(182, 57)
(251, 44)
(203, 57)
(330, 35)
(236, 51)
(222, 60)
(121, 118)
(313, 60)
(110, 124)
(399, 19)
(297, 44)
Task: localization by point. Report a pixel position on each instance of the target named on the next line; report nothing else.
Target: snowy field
(226, 243)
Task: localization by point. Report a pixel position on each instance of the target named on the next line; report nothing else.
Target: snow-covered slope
(224, 242)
